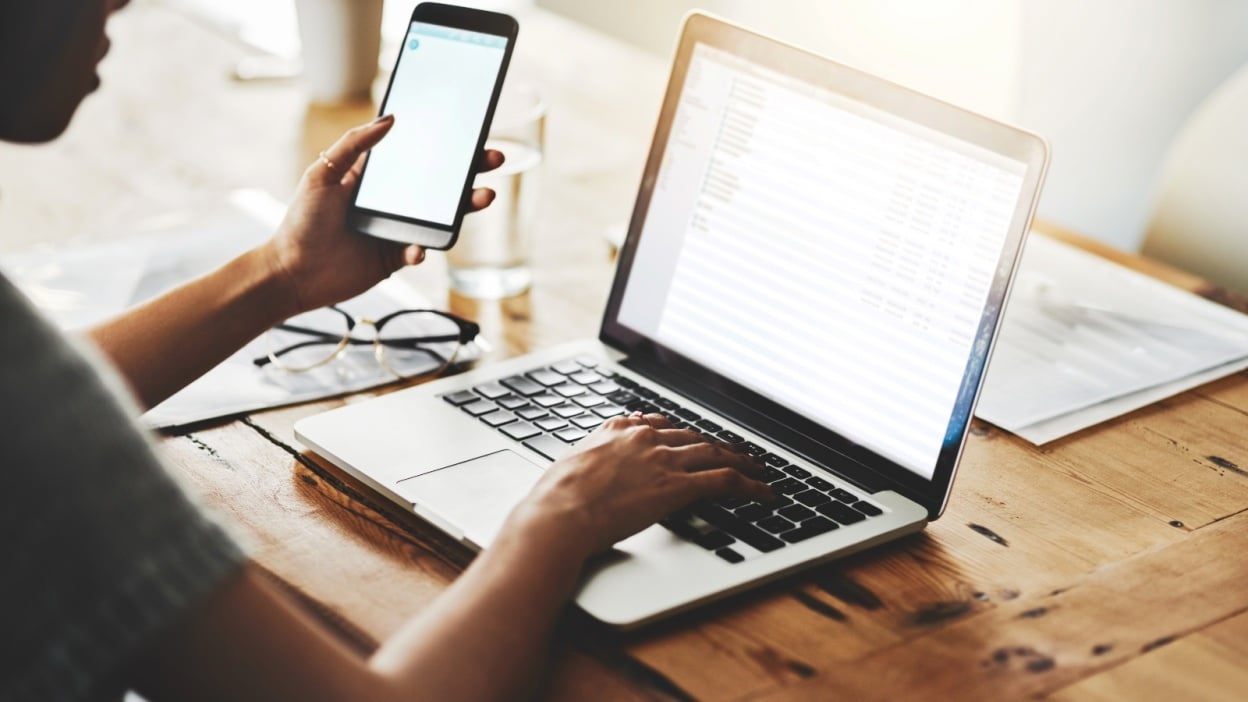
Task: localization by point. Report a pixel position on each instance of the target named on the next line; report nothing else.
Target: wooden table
(1110, 564)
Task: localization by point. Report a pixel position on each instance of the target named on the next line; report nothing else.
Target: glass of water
(491, 258)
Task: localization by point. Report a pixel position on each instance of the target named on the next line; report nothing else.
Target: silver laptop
(815, 270)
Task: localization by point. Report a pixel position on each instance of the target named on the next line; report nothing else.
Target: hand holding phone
(416, 185)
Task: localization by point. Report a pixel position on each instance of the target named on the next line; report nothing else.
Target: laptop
(815, 271)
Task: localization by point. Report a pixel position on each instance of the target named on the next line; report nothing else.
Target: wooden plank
(1166, 459)
(1035, 645)
(1210, 665)
(1230, 392)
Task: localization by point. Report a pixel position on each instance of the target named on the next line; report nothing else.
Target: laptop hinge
(861, 475)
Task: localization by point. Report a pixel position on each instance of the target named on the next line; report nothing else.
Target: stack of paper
(80, 287)
(1085, 340)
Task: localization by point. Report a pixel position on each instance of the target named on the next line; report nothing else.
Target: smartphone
(417, 183)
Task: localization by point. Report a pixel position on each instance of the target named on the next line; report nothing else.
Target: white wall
(1108, 82)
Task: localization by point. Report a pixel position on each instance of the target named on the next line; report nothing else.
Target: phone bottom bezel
(405, 232)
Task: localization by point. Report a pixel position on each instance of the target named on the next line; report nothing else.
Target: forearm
(500, 614)
(165, 343)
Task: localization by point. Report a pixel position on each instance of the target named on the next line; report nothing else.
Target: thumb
(413, 254)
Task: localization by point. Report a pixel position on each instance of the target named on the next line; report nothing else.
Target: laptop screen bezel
(924, 110)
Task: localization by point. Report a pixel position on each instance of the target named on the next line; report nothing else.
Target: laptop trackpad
(474, 496)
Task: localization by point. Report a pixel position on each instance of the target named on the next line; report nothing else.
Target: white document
(80, 287)
(1085, 340)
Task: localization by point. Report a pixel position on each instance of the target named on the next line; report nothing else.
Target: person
(114, 579)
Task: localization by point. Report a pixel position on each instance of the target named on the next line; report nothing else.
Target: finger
(413, 255)
(705, 455)
(723, 482)
(341, 157)
(678, 437)
(356, 169)
(490, 159)
(656, 420)
(481, 198)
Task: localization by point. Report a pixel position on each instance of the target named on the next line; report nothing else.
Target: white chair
(1200, 223)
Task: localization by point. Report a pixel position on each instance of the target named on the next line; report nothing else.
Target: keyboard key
(811, 497)
(531, 413)
(520, 430)
(820, 484)
(567, 367)
(753, 449)
(588, 421)
(608, 411)
(666, 403)
(491, 390)
(676, 423)
(687, 415)
(498, 418)
(626, 382)
(551, 423)
(730, 437)
(546, 377)
(522, 385)
(571, 434)
(566, 410)
(797, 513)
(511, 402)
(588, 400)
(462, 397)
(713, 540)
(587, 361)
(868, 509)
(547, 400)
(788, 486)
(843, 495)
(548, 446)
(646, 392)
(776, 502)
(731, 502)
(841, 513)
(736, 527)
(772, 459)
(729, 555)
(479, 407)
(752, 512)
(775, 524)
(771, 475)
(808, 529)
(606, 387)
(796, 472)
(622, 397)
(569, 389)
(708, 425)
(587, 378)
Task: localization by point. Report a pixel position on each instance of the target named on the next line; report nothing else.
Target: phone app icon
(413, 44)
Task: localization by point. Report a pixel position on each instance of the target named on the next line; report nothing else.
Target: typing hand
(630, 473)
(323, 261)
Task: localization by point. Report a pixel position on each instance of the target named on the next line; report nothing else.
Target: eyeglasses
(407, 343)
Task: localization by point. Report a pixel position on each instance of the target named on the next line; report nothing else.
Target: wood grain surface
(1107, 565)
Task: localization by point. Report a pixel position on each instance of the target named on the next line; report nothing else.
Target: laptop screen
(830, 256)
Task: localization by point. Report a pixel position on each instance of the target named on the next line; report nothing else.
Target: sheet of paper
(80, 287)
(1085, 339)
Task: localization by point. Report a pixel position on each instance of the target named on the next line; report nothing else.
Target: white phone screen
(439, 96)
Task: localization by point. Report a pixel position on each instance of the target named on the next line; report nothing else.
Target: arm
(312, 261)
(249, 643)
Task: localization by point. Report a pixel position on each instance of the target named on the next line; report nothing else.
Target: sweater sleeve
(100, 545)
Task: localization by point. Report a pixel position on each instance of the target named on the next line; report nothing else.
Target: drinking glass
(491, 258)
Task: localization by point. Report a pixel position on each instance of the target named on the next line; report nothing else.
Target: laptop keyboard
(549, 409)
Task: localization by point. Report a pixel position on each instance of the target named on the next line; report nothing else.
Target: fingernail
(384, 118)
